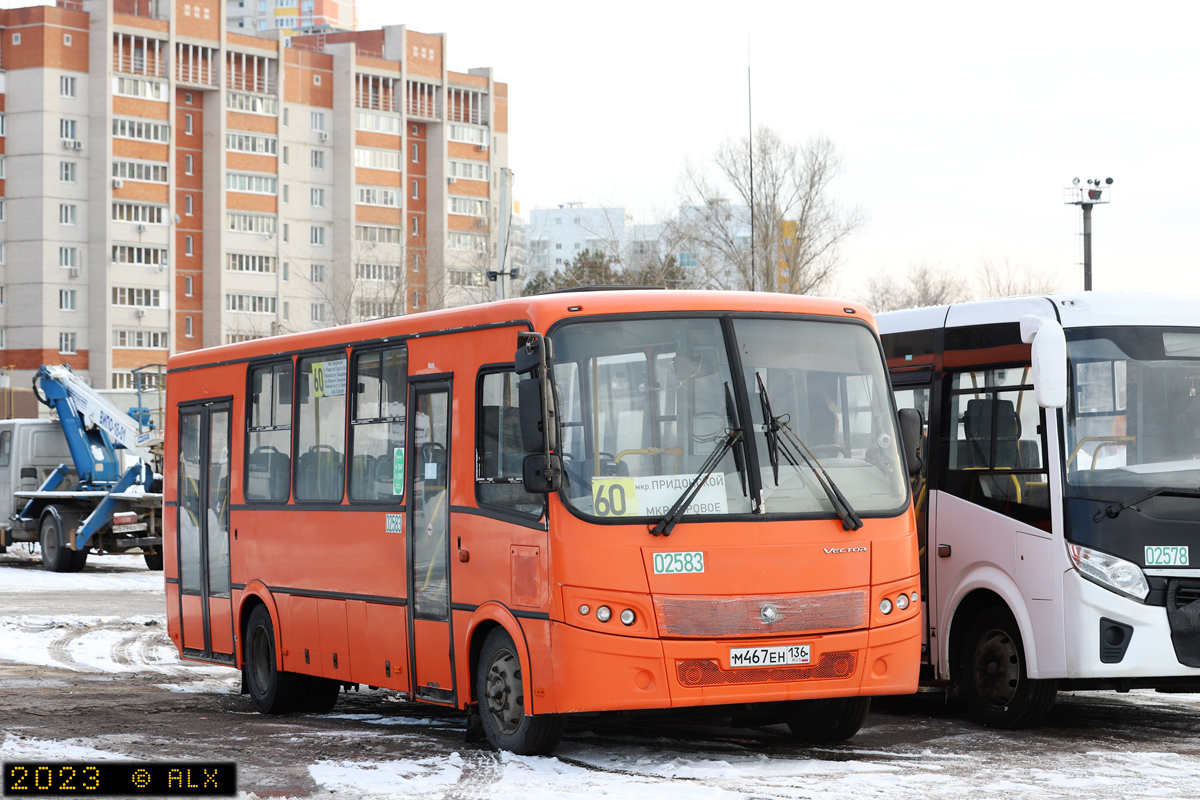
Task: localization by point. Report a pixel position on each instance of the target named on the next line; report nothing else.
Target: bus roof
(541, 311)
(1072, 309)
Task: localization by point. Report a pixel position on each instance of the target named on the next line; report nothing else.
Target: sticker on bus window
(1166, 556)
(329, 378)
(394, 523)
(398, 471)
(653, 495)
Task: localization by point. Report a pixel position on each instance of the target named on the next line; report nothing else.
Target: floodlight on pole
(1085, 196)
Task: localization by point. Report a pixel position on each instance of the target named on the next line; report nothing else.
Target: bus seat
(267, 474)
(319, 474)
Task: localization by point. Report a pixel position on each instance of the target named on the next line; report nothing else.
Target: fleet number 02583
(677, 563)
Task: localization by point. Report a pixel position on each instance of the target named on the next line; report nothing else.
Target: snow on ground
(125, 573)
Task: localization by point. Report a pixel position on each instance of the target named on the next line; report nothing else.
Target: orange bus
(570, 503)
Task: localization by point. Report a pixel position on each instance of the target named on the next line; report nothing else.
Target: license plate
(130, 528)
(1166, 556)
(785, 656)
(678, 563)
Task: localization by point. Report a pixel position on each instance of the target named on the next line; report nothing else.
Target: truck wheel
(55, 555)
(501, 699)
(834, 719)
(272, 691)
(154, 561)
(996, 686)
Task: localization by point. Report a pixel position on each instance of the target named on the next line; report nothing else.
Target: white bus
(1059, 495)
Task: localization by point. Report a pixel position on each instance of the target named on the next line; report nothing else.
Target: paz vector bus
(1059, 496)
(565, 504)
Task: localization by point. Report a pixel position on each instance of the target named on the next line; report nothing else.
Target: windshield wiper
(776, 445)
(734, 437)
(1112, 511)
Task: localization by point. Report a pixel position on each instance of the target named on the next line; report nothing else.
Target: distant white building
(557, 235)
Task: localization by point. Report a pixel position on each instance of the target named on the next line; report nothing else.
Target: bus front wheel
(501, 697)
(998, 690)
(272, 691)
(831, 720)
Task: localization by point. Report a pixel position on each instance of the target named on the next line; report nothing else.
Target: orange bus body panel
(337, 572)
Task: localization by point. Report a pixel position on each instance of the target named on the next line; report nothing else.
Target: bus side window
(377, 425)
(499, 451)
(993, 444)
(269, 434)
(321, 438)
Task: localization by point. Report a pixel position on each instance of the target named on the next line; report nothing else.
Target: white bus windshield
(1134, 416)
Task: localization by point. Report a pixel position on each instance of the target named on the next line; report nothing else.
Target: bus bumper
(1149, 653)
(602, 672)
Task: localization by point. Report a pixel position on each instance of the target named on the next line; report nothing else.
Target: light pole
(1085, 197)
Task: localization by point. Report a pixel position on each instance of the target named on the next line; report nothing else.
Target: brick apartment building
(169, 184)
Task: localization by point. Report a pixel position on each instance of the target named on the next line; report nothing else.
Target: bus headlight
(604, 613)
(1115, 573)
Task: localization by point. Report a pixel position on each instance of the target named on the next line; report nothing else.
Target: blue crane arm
(91, 450)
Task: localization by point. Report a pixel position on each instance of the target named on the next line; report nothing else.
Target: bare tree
(1005, 279)
(922, 285)
(798, 227)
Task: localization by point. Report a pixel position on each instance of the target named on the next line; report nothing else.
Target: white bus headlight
(1115, 573)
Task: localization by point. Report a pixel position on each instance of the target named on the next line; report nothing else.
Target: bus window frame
(296, 404)
(396, 503)
(246, 431)
(485, 508)
(742, 403)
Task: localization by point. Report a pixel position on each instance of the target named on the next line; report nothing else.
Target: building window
(66, 86)
(416, 229)
(414, 130)
(285, 117)
(316, 80)
(187, 165)
(250, 303)
(66, 342)
(66, 299)
(187, 204)
(285, 193)
(416, 194)
(285, 231)
(318, 312)
(140, 339)
(187, 124)
(284, 272)
(67, 43)
(187, 247)
(187, 98)
(133, 296)
(16, 38)
(66, 129)
(286, 309)
(318, 159)
(68, 257)
(317, 120)
(415, 154)
(66, 214)
(317, 235)
(187, 327)
(318, 198)
(187, 285)
(66, 171)
(317, 273)
(285, 154)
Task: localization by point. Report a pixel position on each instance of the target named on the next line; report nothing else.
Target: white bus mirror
(1049, 353)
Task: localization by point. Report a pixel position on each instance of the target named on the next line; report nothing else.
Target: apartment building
(289, 17)
(169, 184)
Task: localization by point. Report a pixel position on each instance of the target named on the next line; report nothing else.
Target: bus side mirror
(911, 428)
(1049, 359)
(542, 473)
(529, 400)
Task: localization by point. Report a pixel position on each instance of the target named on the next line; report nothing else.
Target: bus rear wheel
(272, 691)
(834, 719)
(501, 697)
(998, 690)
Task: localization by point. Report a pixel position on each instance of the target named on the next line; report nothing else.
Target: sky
(959, 125)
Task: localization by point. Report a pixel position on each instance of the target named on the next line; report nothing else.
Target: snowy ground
(129, 697)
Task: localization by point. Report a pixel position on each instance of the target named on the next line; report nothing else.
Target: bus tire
(998, 690)
(154, 561)
(317, 695)
(272, 691)
(834, 719)
(501, 697)
(55, 555)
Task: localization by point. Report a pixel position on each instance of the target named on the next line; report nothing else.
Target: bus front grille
(712, 616)
(707, 672)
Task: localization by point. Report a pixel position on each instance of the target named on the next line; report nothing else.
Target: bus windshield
(644, 402)
(1134, 416)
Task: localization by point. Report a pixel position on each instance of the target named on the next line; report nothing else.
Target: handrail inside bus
(1104, 441)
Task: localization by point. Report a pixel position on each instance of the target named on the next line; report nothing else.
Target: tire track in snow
(481, 770)
(60, 649)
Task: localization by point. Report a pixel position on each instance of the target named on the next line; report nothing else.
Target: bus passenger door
(429, 542)
(913, 388)
(203, 531)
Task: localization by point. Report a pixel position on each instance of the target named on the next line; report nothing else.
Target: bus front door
(429, 542)
(203, 531)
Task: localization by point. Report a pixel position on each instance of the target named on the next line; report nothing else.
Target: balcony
(424, 101)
